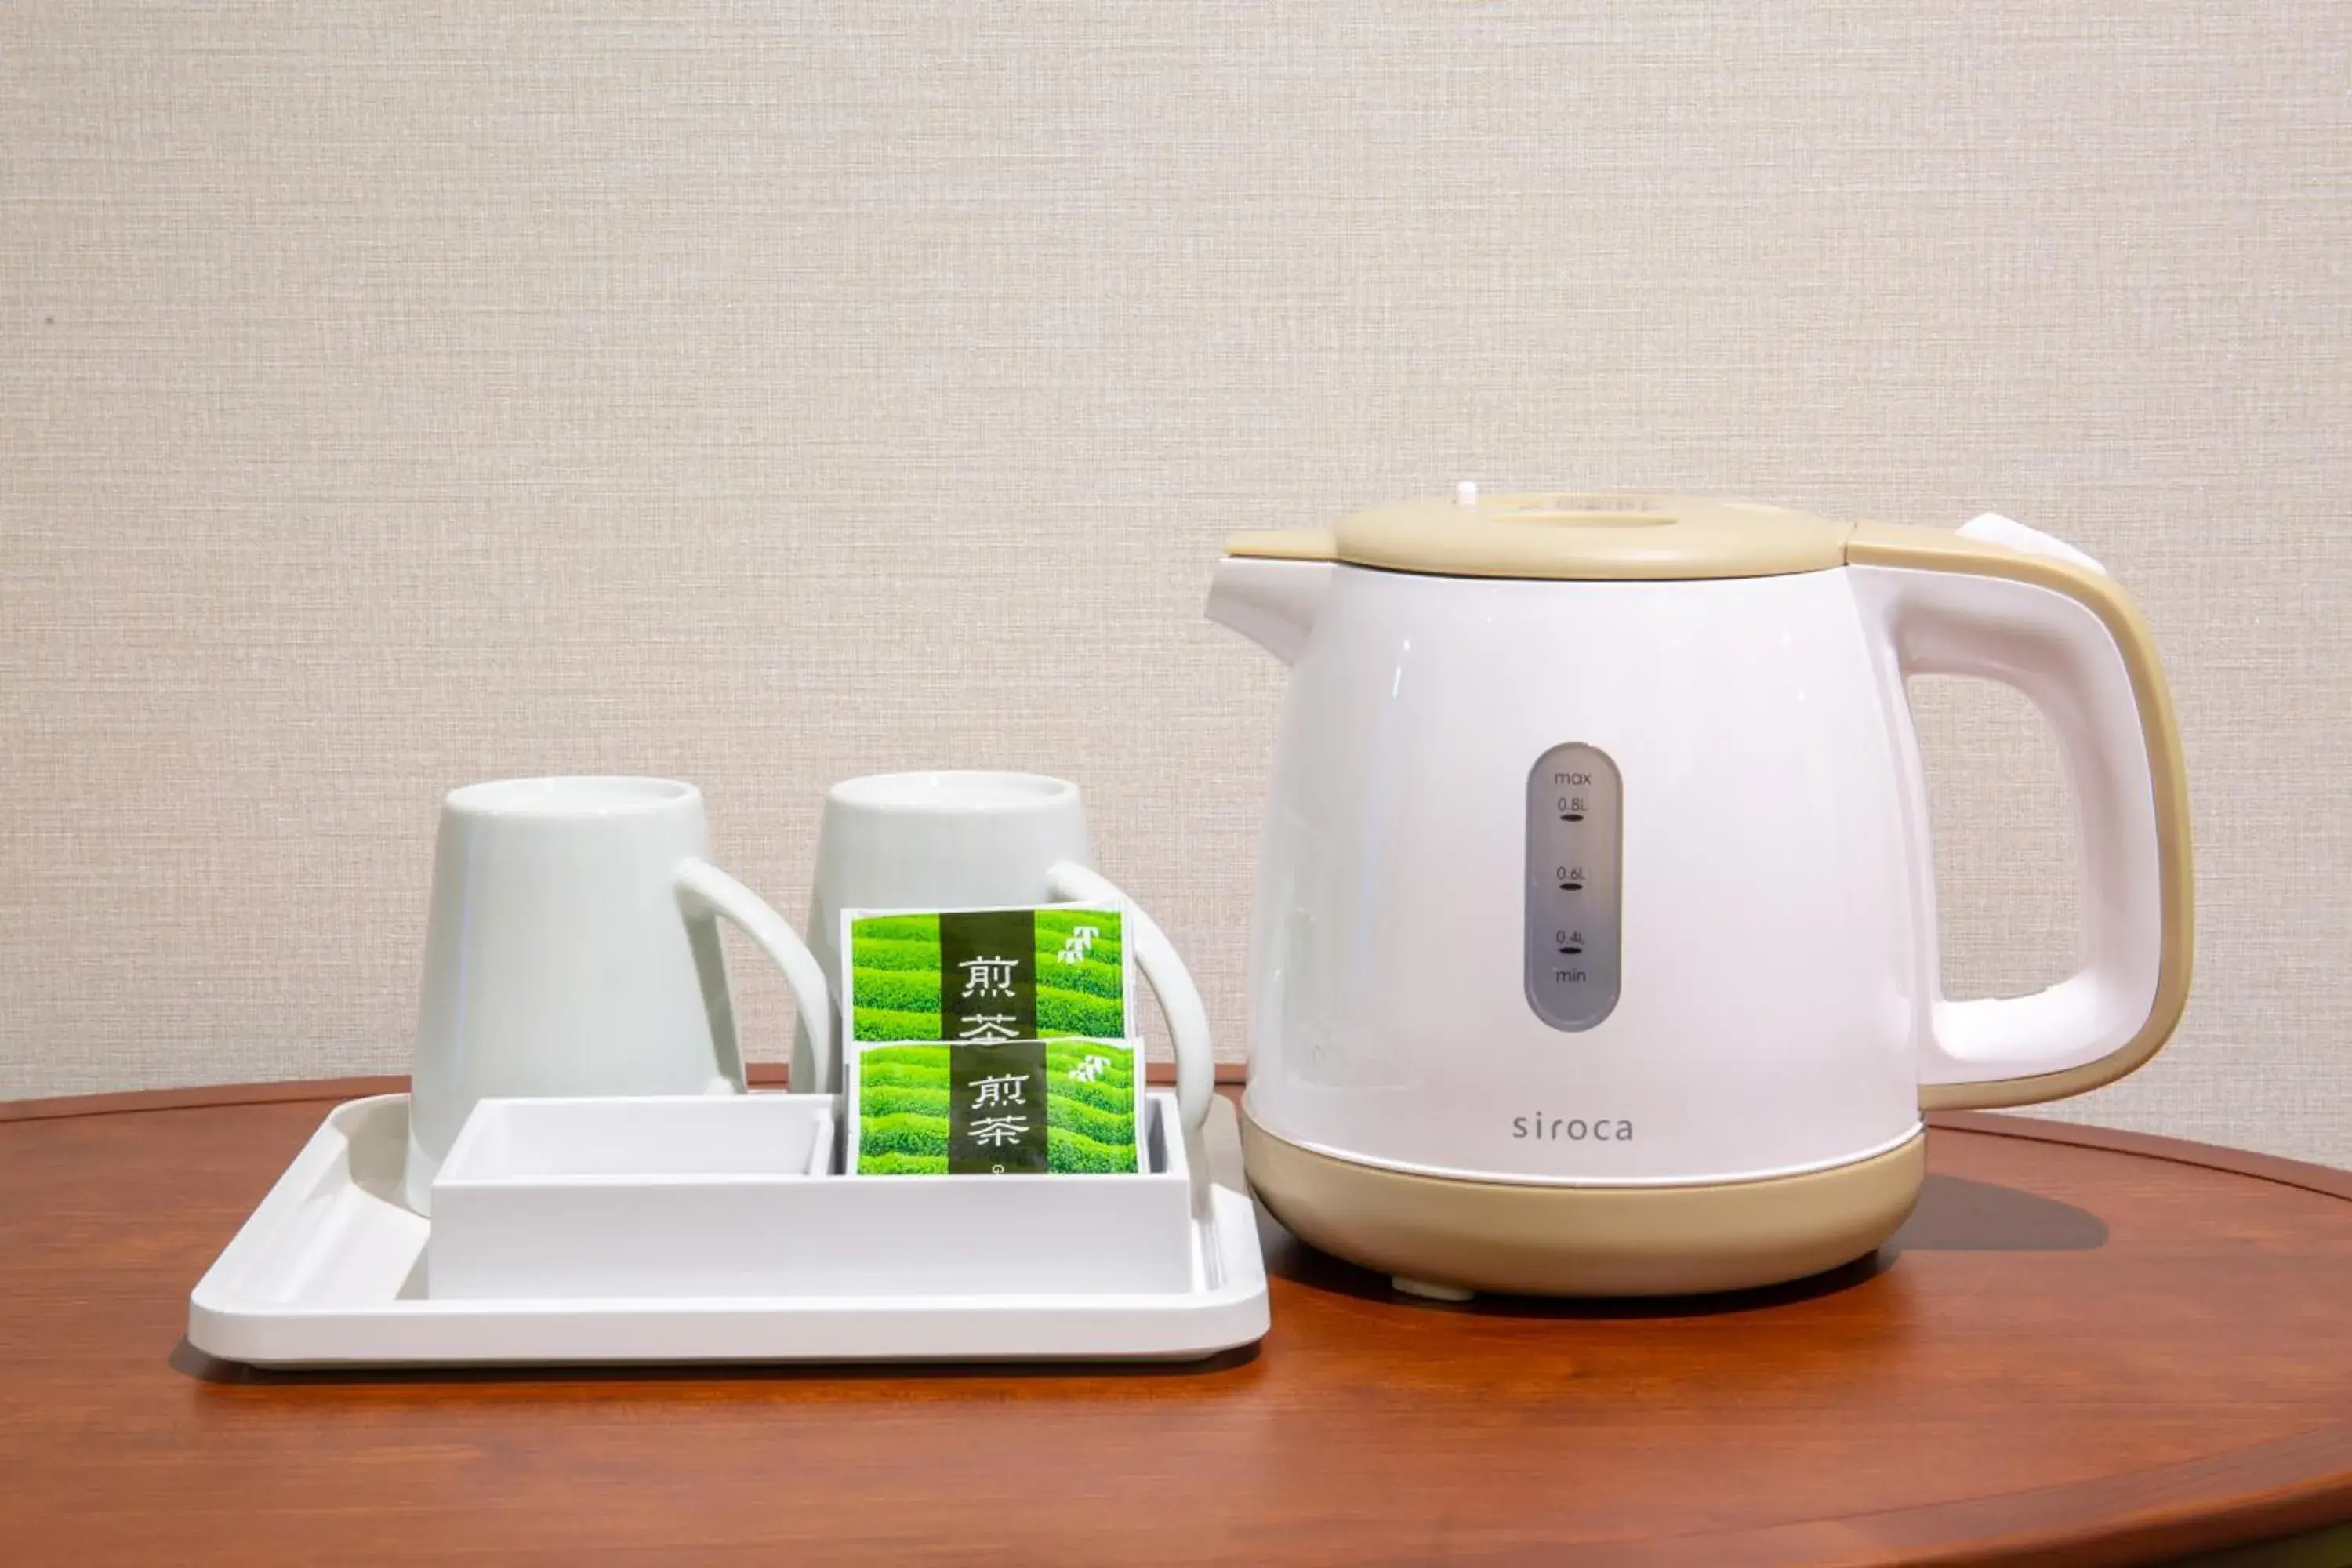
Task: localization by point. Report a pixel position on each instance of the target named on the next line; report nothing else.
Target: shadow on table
(190, 1362)
(1955, 1214)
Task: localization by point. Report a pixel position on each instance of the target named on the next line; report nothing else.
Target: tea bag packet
(984, 975)
(1064, 1106)
(990, 1042)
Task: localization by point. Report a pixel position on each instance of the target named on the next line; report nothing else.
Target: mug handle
(1170, 981)
(704, 891)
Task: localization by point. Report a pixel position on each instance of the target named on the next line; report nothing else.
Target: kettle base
(1506, 1237)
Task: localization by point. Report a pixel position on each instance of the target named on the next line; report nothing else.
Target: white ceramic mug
(974, 841)
(572, 949)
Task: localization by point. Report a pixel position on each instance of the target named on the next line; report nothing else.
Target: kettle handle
(2048, 621)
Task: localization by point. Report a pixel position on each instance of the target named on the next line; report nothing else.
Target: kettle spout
(1269, 587)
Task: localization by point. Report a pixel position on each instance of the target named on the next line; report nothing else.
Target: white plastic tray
(331, 1270)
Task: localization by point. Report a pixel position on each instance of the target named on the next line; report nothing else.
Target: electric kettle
(1594, 949)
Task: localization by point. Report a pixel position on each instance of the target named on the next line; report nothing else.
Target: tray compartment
(689, 1197)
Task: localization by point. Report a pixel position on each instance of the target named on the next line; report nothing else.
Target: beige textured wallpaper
(395, 396)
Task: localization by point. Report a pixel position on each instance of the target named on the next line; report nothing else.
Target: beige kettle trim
(1526, 1239)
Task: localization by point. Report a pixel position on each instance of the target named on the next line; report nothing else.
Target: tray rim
(1193, 1324)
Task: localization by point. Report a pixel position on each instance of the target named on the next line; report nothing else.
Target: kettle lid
(1610, 536)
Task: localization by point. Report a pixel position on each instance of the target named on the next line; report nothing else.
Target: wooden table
(2086, 1347)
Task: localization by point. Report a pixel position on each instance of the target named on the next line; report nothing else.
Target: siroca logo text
(1571, 1129)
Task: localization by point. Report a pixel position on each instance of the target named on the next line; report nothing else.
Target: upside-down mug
(572, 949)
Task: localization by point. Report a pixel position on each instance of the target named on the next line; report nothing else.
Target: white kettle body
(1595, 947)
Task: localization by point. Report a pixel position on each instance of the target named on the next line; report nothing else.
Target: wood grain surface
(2087, 1347)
